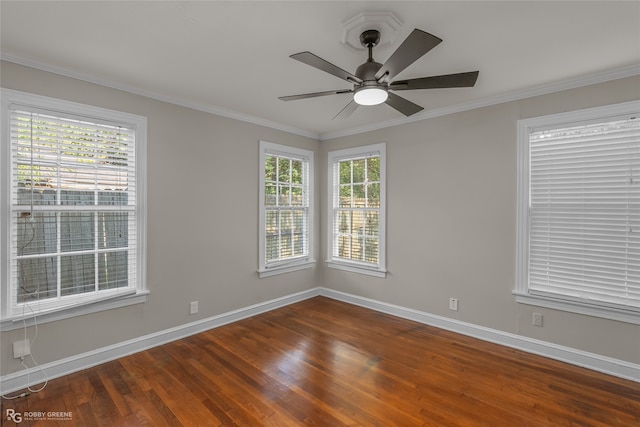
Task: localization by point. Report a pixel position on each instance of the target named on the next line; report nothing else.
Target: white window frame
(333, 181)
(136, 293)
(521, 291)
(266, 269)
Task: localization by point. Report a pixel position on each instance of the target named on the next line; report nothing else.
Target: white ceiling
(233, 57)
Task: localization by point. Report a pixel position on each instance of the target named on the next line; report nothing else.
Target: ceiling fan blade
(403, 105)
(417, 44)
(314, 94)
(436, 82)
(319, 63)
(347, 110)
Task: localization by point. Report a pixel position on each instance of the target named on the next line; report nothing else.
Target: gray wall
(202, 236)
(450, 231)
(451, 221)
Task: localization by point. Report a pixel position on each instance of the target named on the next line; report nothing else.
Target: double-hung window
(286, 183)
(73, 206)
(579, 212)
(357, 209)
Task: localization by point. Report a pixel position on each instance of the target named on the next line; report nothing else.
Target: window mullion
(351, 204)
(366, 203)
(96, 216)
(96, 254)
(290, 198)
(292, 226)
(279, 232)
(58, 202)
(58, 256)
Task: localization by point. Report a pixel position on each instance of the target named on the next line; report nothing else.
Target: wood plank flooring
(325, 363)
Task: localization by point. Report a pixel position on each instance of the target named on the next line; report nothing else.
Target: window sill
(627, 316)
(356, 268)
(286, 268)
(69, 312)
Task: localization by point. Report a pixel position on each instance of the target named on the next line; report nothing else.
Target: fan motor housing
(367, 71)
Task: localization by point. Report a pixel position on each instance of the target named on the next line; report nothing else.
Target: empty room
(320, 213)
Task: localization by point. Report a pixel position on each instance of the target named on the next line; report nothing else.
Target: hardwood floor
(326, 363)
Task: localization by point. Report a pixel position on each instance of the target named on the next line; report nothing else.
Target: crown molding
(212, 109)
(590, 79)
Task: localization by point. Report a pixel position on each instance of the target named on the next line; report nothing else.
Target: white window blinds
(584, 211)
(286, 178)
(287, 207)
(72, 210)
(357, 211)
(356, 190)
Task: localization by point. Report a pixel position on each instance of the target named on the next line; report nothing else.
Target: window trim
(355, 266)
(68, 108)
(521, 291)
(293, 264)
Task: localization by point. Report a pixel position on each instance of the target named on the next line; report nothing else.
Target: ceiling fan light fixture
(370, 96)
(372, 80)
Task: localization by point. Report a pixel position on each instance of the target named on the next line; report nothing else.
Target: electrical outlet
(453, 304)
(193, 307)
(21, 349)
(537, 319)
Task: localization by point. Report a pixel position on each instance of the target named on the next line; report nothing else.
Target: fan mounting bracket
(370, 38)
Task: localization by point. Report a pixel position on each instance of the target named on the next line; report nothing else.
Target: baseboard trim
(30, 377)
(33, 376)
(595, 362)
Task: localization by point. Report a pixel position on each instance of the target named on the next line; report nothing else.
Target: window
(579, 212)
(73, 193)
(357, 210)
(286, 182)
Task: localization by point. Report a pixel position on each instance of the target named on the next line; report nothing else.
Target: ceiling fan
(372, 81)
